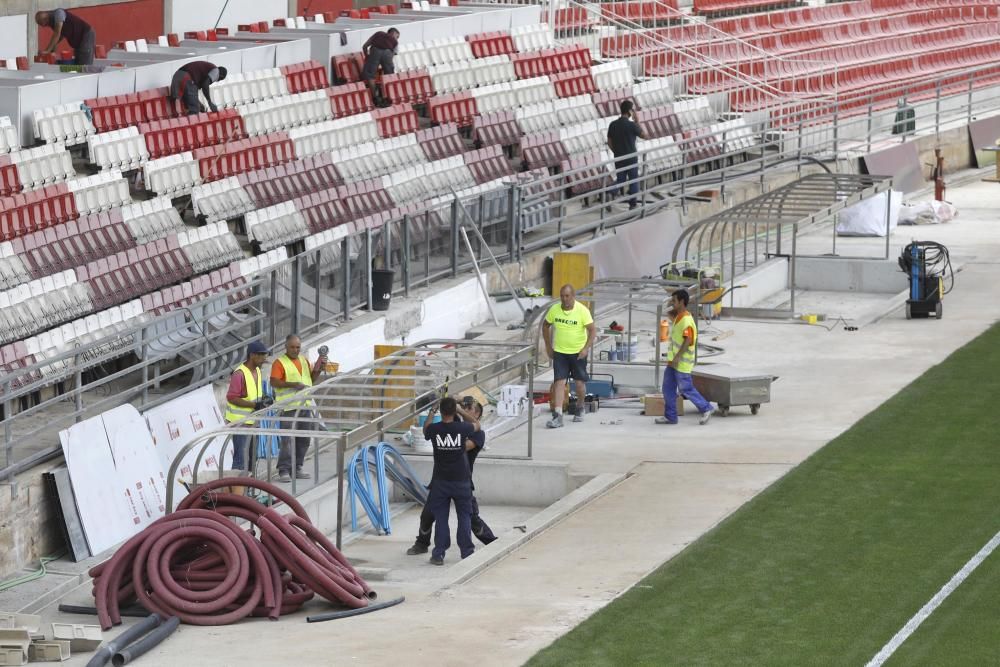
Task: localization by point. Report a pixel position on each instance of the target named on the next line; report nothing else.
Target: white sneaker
(578, 417)
(555, 422)
(705, 416)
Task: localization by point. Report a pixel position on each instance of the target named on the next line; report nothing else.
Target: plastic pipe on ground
(130, 653)
(334, 615)
(103, 654)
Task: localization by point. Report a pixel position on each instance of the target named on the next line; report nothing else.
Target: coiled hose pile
(197, 564)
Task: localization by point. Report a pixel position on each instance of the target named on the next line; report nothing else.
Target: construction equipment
(727, 386)
(927, 266)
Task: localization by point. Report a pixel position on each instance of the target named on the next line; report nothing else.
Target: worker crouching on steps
(473, 445)
(451, 480)
(680, 363)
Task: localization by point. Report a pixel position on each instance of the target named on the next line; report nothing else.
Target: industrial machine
(927, 266)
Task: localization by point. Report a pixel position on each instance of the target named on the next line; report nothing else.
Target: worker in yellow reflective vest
(680, 363)
(244, 396)
(291, 373)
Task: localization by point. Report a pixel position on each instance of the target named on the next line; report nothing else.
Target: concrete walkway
(684, 480)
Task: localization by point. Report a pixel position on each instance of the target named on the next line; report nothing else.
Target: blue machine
(926, 265)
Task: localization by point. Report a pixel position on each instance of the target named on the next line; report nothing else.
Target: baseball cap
(257, 347)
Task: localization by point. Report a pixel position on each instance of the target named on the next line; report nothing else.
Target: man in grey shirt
(77, 32)
(195, 76)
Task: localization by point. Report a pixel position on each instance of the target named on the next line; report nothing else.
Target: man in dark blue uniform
(451, 481)
(474, 445)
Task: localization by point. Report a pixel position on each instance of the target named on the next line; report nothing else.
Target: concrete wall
(446, 313)
(29, 524)
(506, 482)
(850, 275)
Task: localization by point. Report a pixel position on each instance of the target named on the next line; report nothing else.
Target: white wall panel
(13, 36)
(78, 88)
(115, 81)
(187, 15)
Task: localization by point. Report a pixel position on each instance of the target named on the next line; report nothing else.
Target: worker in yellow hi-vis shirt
(568, 331)
(291, 373)
(680, 362)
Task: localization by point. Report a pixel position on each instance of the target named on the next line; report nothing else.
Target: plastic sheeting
(867, 217)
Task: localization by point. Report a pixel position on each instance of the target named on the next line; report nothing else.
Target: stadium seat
(100, 192)
(611, 75)
(491, 44)
(276, 225)
(8, 136)
(396, 120)
(499, 128)
(487, 164)
(123, 149)
(151, 219)
(457, 108)
(46, 164)
(573, 83)
(441, 141)
(65, 124)
(543, 149)
(354, 98)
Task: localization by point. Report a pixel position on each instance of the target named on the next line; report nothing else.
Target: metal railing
(352, 409)
(331, 282)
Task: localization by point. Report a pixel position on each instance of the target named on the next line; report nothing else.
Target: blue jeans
(442, 494)
(674, 381)
(628, 171)
(241, 443)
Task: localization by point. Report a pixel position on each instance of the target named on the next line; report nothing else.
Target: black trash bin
(382, 288)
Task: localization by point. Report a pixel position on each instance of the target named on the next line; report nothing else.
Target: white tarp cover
(927, 213)
(867, 217)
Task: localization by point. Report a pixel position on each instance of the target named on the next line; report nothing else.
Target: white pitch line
(934, 603)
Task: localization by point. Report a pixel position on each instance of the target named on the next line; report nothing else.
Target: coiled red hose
(197, 564)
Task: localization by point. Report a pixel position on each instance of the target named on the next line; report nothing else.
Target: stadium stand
(299, 163)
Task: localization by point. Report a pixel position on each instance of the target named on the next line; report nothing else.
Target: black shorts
(569, 366)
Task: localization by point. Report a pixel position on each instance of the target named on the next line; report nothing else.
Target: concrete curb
(477, 563)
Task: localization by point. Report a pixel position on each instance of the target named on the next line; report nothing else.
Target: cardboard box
(654, 405)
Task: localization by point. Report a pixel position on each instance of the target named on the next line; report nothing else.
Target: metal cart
(727, 386)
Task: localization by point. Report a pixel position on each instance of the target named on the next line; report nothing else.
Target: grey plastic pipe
(130, 653)
(103, 654)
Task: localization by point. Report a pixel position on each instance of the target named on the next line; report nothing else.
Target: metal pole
(274, 307)
(368, 268)
(888, 214)
(295, 288)
(406, 255)
(795, 234)
(479, 276)
(656, 345)
(532, 366)
(454, 237)
(340, 492)
(318, 279)
(345, 266)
